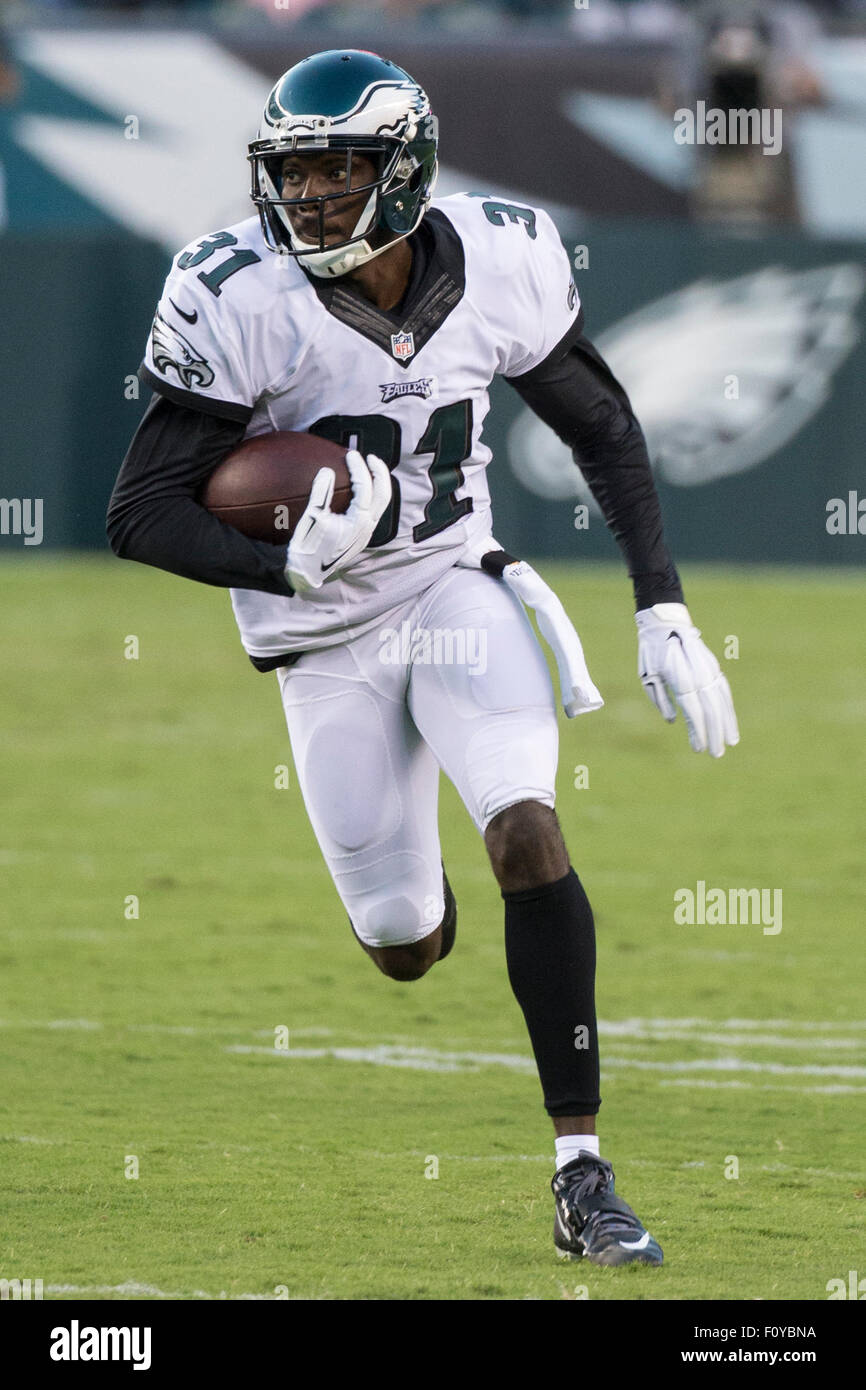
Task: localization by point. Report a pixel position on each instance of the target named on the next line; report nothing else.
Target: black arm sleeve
(153, 515)
(575, 392)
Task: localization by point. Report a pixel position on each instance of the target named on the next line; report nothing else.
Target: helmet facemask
(268, 194)
(400, 138)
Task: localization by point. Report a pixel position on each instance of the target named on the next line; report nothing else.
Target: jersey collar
(436, 285)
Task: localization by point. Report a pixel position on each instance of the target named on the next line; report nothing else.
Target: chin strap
(327, 264)
(330, 264)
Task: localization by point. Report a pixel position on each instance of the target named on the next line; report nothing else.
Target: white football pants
(453, 679)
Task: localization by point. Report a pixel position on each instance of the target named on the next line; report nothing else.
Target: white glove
(325, 542)
(674, 665)
(579, 694)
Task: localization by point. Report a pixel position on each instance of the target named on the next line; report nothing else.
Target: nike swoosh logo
(190, 318)
(332, 563)
(636, 1244)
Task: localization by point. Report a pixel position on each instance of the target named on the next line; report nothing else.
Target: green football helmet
(348, 101)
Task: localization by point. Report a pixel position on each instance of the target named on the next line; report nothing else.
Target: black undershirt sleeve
(574, 392)
(153, 515)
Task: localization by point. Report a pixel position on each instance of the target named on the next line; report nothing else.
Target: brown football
(263, 487)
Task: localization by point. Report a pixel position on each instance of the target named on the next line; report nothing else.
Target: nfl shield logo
(402, 345)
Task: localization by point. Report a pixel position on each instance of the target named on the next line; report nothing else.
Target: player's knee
(525, 846)
(383, 927)
(405, 963)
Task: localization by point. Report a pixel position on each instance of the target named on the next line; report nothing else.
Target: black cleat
(592, 1222)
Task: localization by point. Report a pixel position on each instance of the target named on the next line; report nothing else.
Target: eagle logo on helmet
(172, 349)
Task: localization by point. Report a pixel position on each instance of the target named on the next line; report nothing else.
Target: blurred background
(723, 281)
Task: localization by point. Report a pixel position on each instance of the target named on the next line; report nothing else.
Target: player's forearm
(618, 473)
(580, 399)
(153, 516)
(177, 535)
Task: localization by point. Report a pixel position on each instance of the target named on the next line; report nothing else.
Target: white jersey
(243, 333)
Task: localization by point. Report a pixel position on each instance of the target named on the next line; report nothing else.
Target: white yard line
(430, 1059)
(135, 1290)
(382, 1055)
(623, 1162)
(26, 1139)
(736, 1064)
(746, 1039)
(630, 1027)
(751, 1086)
(806, 1035)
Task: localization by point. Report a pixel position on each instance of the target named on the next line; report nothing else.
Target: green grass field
(264, 1172)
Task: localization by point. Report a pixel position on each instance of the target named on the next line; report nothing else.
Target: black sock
(550, 953)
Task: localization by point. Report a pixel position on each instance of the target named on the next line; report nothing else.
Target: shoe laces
(594, 1175)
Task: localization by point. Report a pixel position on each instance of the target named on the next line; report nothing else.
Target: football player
(355, 307)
